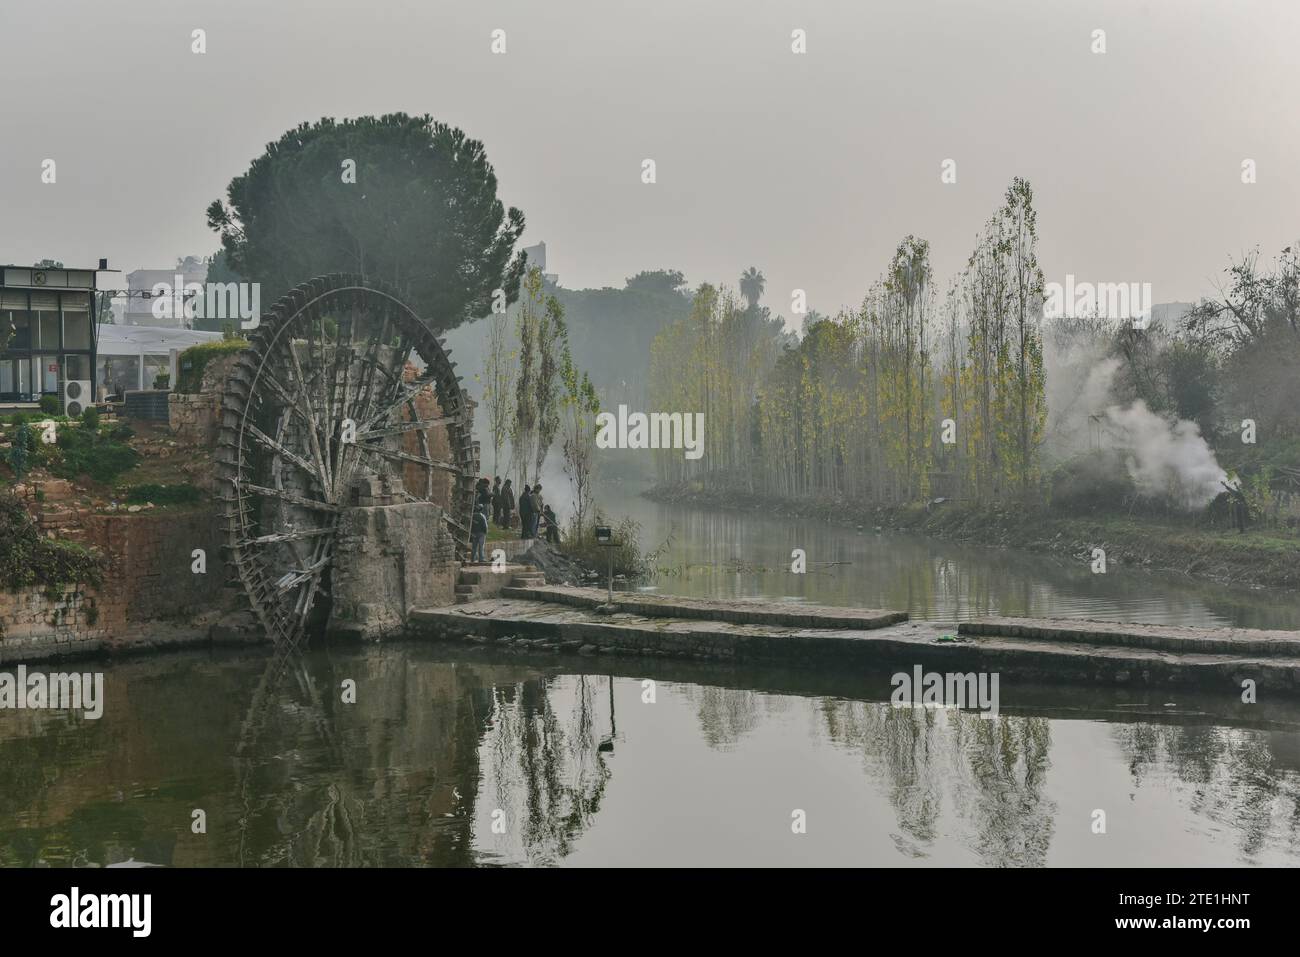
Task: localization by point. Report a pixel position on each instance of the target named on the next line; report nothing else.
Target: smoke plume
(1165, 458)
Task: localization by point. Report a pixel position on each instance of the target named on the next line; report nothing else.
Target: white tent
(157, 345)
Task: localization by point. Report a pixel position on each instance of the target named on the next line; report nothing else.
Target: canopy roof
(117, 340)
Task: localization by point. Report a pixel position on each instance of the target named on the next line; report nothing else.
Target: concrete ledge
(1208, 641)
(534, 627)
(517, 624)
(786, 614)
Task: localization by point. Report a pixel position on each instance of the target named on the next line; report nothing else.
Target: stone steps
(476, 582)
(466, 593)
(480, 581)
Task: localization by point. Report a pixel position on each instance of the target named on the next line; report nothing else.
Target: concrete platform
(1220, 641)
(1091, 652)
(740, 611)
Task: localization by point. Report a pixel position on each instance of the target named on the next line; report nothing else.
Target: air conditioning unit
(76, 397)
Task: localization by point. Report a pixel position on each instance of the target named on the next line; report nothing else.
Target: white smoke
(1168, 458)
(1165, 457)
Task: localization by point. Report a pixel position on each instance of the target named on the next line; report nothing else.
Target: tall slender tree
(498, 384)
(524, 422)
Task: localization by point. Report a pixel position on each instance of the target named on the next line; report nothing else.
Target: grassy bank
(1264, 557)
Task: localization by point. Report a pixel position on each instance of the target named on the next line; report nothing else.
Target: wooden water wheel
(341, 382)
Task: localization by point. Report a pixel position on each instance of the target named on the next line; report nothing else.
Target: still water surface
(730, 554)
(576, 769)
(459, 757)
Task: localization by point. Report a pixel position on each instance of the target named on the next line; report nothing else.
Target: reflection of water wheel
(325, 395)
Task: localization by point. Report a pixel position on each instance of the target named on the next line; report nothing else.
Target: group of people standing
(500, 498)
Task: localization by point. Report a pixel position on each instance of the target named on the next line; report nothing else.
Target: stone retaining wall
(194, 419)
(389, 559)
(150, 596)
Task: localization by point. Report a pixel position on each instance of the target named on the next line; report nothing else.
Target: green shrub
(121, 432)
(1086, 484)
(629, 559)
(20, 450)
(194, 360)
(90, 418)
(181, 494)
(45, 454)
(161, 380)
(88, 453)
(50, 404)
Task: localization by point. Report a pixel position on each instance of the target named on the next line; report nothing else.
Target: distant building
(47, 334)
(1170, 314)
(140, 309)
(537, 259)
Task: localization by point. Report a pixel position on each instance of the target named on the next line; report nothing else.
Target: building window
(76, 330)
(48, 328)
(21, 330)
(49, 377)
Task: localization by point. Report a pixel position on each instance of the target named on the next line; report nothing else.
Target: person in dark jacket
(483, 494)
(1238, 505)
(478, 530)
(526, 513)
(496, 501)
(507, 505)
(552, 525)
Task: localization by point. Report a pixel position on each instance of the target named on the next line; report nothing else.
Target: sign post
(605, 538)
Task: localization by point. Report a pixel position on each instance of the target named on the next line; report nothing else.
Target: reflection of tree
(320, 783)
(899, 747)
(726, 714)
(993, 769)
(547, 771)
(1245, 779)
(1006, 760)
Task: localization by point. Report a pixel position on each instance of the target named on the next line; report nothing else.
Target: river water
(453, 756)
(733, 554)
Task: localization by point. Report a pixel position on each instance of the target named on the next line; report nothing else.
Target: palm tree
(752, 284)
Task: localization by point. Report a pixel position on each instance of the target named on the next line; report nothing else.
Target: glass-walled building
(47, 332)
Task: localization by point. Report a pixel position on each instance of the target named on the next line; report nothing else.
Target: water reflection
(735, 554)
(450, 758)
(1243, 782)
(544, 767)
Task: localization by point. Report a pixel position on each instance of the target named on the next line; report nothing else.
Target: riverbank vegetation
(928, 397)
(630, 559)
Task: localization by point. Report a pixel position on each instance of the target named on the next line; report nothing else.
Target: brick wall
(149, 598)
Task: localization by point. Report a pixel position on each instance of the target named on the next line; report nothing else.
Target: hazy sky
(810, 167)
